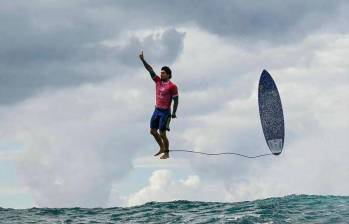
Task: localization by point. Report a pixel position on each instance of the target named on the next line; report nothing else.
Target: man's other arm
(175, 105)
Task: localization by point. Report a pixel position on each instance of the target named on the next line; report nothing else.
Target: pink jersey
(164, 93)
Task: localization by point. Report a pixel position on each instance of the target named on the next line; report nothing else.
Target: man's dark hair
(167, 70)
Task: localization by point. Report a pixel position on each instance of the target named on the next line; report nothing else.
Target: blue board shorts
(160, 119)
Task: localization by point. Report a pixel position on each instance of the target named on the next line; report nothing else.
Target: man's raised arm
(147, 66)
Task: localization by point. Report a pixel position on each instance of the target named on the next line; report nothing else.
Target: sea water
(288, 209)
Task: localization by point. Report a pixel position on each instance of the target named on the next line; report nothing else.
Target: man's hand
(173, 116)
(141, 56)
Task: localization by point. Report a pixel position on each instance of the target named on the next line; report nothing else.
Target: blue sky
(75, 101)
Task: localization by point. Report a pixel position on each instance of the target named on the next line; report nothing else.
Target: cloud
(80, 135)
(93, 63)
(313, 83)
(54, 45)
(162, 47)
(313, 165)
(77, 142)
(270, 21)
(163, 187)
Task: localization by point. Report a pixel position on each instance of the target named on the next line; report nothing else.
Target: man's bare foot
(160, 152)
(166, 155)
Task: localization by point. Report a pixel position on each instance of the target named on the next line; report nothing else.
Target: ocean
(288, 209)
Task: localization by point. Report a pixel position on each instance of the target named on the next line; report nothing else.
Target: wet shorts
(160, 119)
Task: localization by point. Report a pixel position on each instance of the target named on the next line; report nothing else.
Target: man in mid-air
(166, 91)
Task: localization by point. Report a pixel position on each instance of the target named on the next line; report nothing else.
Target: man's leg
(158, 139)
(166, 145)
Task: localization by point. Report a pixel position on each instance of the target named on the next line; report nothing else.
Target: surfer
(166, 91)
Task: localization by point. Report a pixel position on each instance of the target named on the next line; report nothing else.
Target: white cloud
(164, 187)
(313, 83)
(191, 181)
(314, 165)
(77, 141)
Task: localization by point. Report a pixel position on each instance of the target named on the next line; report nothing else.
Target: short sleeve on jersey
(174, 91)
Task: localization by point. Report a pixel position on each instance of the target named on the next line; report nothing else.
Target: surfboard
(271, 113)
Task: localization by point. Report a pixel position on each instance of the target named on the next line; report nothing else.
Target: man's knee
(163, 134)
(153, 132)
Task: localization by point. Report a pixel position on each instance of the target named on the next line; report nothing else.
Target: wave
(288, 209)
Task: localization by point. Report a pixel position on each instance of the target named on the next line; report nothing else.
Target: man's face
(164, 75)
